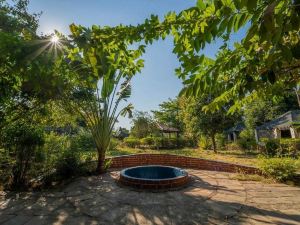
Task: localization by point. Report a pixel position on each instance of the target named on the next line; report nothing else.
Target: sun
(54, 39)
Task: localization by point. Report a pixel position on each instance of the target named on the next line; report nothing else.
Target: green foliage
(262, 110)
(208, 124)
(68, 164)
(143, 125)
(147, 141)
(101, 72)
(256, 66)
(220, 141)
(233, 146)
(113, 145)
(281, 169)
(271, 147)
(246, 140)
(23, 142)
(54, 146)
(157, 142)
(132, 142)
(204, 143)
(168, 114)
(288, 147)
(83, 141)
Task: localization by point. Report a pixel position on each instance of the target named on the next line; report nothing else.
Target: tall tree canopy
(266, 58)
(197, 122)
(26, 64)
(168, 114)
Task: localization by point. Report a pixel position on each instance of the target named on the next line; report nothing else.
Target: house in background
(234, 132)
(166, 130)
(284, 126)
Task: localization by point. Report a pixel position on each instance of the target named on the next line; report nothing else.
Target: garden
(64, 154)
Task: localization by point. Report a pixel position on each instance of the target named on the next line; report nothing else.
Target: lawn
(238, 157)
(231, 156)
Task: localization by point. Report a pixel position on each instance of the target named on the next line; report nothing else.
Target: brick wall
(179, 161)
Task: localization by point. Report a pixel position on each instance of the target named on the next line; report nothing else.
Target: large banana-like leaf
(125, 90)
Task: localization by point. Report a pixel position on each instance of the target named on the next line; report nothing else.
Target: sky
(157, 81)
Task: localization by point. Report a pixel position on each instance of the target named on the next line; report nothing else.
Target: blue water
(153, 172)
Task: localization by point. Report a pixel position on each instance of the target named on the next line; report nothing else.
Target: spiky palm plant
(99, 75)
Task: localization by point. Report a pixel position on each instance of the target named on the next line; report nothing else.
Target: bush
(287, 147)
(132, 142)
(233, 146)
(290, 147)
(271, 147)
(147, 141)
(22, 141)
(169, 143)
(83, 141)
(113, 145)
(246, 140)
(204, 143)
(157, 142)
(280, 169)
(189, 142)
(68, 164)
(220, 141)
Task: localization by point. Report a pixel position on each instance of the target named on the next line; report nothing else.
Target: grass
(231, 156)
(239, 157)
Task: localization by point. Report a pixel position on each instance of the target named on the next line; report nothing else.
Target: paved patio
(213, 198)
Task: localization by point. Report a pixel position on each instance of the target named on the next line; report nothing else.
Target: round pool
(154, 177)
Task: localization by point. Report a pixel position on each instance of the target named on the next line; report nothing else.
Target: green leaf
(251, 4)
(200, 4)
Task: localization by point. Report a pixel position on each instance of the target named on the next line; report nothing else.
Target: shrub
(281, 169)
(148, 141)
(23, 141)
(83, 141)
(271, 147)
(68, 164)
(246, 140)
(204, 143)
(189, 142)
(132, 142)
(290, 147)
(234, 146)
(113, 145)
(157, 142)
(169, 143)
(220, 141)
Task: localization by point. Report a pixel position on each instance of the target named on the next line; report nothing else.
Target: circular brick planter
(154, 177)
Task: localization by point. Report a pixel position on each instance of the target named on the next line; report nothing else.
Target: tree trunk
(213, 138)
(101, 162)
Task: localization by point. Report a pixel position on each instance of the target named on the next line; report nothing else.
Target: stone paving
(212, 198)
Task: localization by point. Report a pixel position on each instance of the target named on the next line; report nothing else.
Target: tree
(99, 75)
(262, 109)
(168, 114)
(266, 58)
(268, 55)
(26, 64)
(197, 122)
(143, 125)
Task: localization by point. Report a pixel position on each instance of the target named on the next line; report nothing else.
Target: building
(284, 126)
(234, 132)
(167, 130)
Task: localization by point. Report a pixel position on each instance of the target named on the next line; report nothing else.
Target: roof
(166, 128)
(282, 122)
(237, 128)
